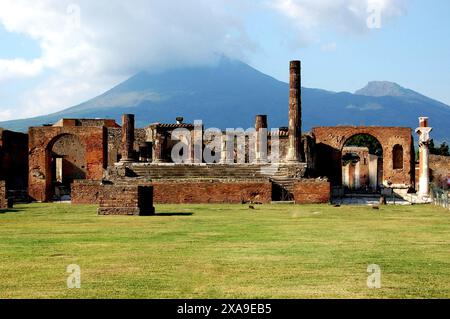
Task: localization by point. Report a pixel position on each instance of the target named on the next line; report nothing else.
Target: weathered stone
(440, 169)
(312, 192)
(184, 192)
(330, 142)
(295, 113)
(424, 154)
(41, 142)
(126, 200)
(261, 139)
(14, 159)
(128, 138)
(3, 199)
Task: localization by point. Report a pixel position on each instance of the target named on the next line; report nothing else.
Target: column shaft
(127, 138)
(295, 113)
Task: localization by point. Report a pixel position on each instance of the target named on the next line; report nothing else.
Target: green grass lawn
(226, 251)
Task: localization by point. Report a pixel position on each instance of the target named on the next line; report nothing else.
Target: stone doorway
(362, 165)
(67, 157)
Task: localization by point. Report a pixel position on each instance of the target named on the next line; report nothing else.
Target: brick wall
(440, 168)
(212, 192)
(331, 140)
(126, 200)
(312, 192)
(42, 140)
(86, 192)
(115, 143)
(3, 201)
(14, 159)
(192, 192)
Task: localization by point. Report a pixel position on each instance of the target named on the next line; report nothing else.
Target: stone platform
(126, 200)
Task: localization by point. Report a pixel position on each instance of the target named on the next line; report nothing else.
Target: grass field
(225, 251)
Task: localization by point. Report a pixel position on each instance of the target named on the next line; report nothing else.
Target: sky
(58, 53)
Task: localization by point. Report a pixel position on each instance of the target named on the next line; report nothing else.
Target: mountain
(230, 94)
(385, 88)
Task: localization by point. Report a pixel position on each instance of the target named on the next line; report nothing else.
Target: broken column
(261, 140)
(127, 138)
(158, 147)
(295, 113)
(424, 152)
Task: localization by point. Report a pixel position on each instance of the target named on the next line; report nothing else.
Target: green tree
(442, 150)
(364, 140)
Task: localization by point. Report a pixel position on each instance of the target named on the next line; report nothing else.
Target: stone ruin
(127, 200)
(88, 160)
(3, 199)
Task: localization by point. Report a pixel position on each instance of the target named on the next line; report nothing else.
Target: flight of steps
(212, 171)
(282, 176)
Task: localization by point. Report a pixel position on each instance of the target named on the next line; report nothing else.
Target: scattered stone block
(126, 200)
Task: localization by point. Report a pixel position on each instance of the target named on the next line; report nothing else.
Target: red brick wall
(3, 202)
(212, 192)
(331, 140)
(440, 168)
(126, 200)
(86, 192)
(41, 138)
(14, 159)
(168, 192)
(312, 192)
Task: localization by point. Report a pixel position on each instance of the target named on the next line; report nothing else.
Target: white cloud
(310, 17)
(84, 40)
(6, 114)
(14, 68)
(87, 46)
(94, 37)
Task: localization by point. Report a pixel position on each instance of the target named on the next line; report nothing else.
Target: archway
(362, 164)
(66, 156)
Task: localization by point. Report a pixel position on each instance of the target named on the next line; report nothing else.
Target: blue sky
(58, 53)
(412, 50)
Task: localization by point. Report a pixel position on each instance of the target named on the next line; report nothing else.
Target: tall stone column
(127, 138)
(295, 113)
(260, 148)
(424, 152)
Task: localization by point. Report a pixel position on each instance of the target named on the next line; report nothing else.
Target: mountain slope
(231, 93)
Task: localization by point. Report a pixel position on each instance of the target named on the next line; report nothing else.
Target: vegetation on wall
(442, 149)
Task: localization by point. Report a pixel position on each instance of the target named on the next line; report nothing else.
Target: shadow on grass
(173, 214)
(10, 210)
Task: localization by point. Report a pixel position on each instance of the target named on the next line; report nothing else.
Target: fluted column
(158, 147)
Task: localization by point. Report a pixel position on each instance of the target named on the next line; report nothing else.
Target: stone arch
(92, 140)
(367, 173)
(66, 162)
(331, 140)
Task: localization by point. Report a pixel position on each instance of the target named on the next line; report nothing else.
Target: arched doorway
(362, 164)
(67, 162)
